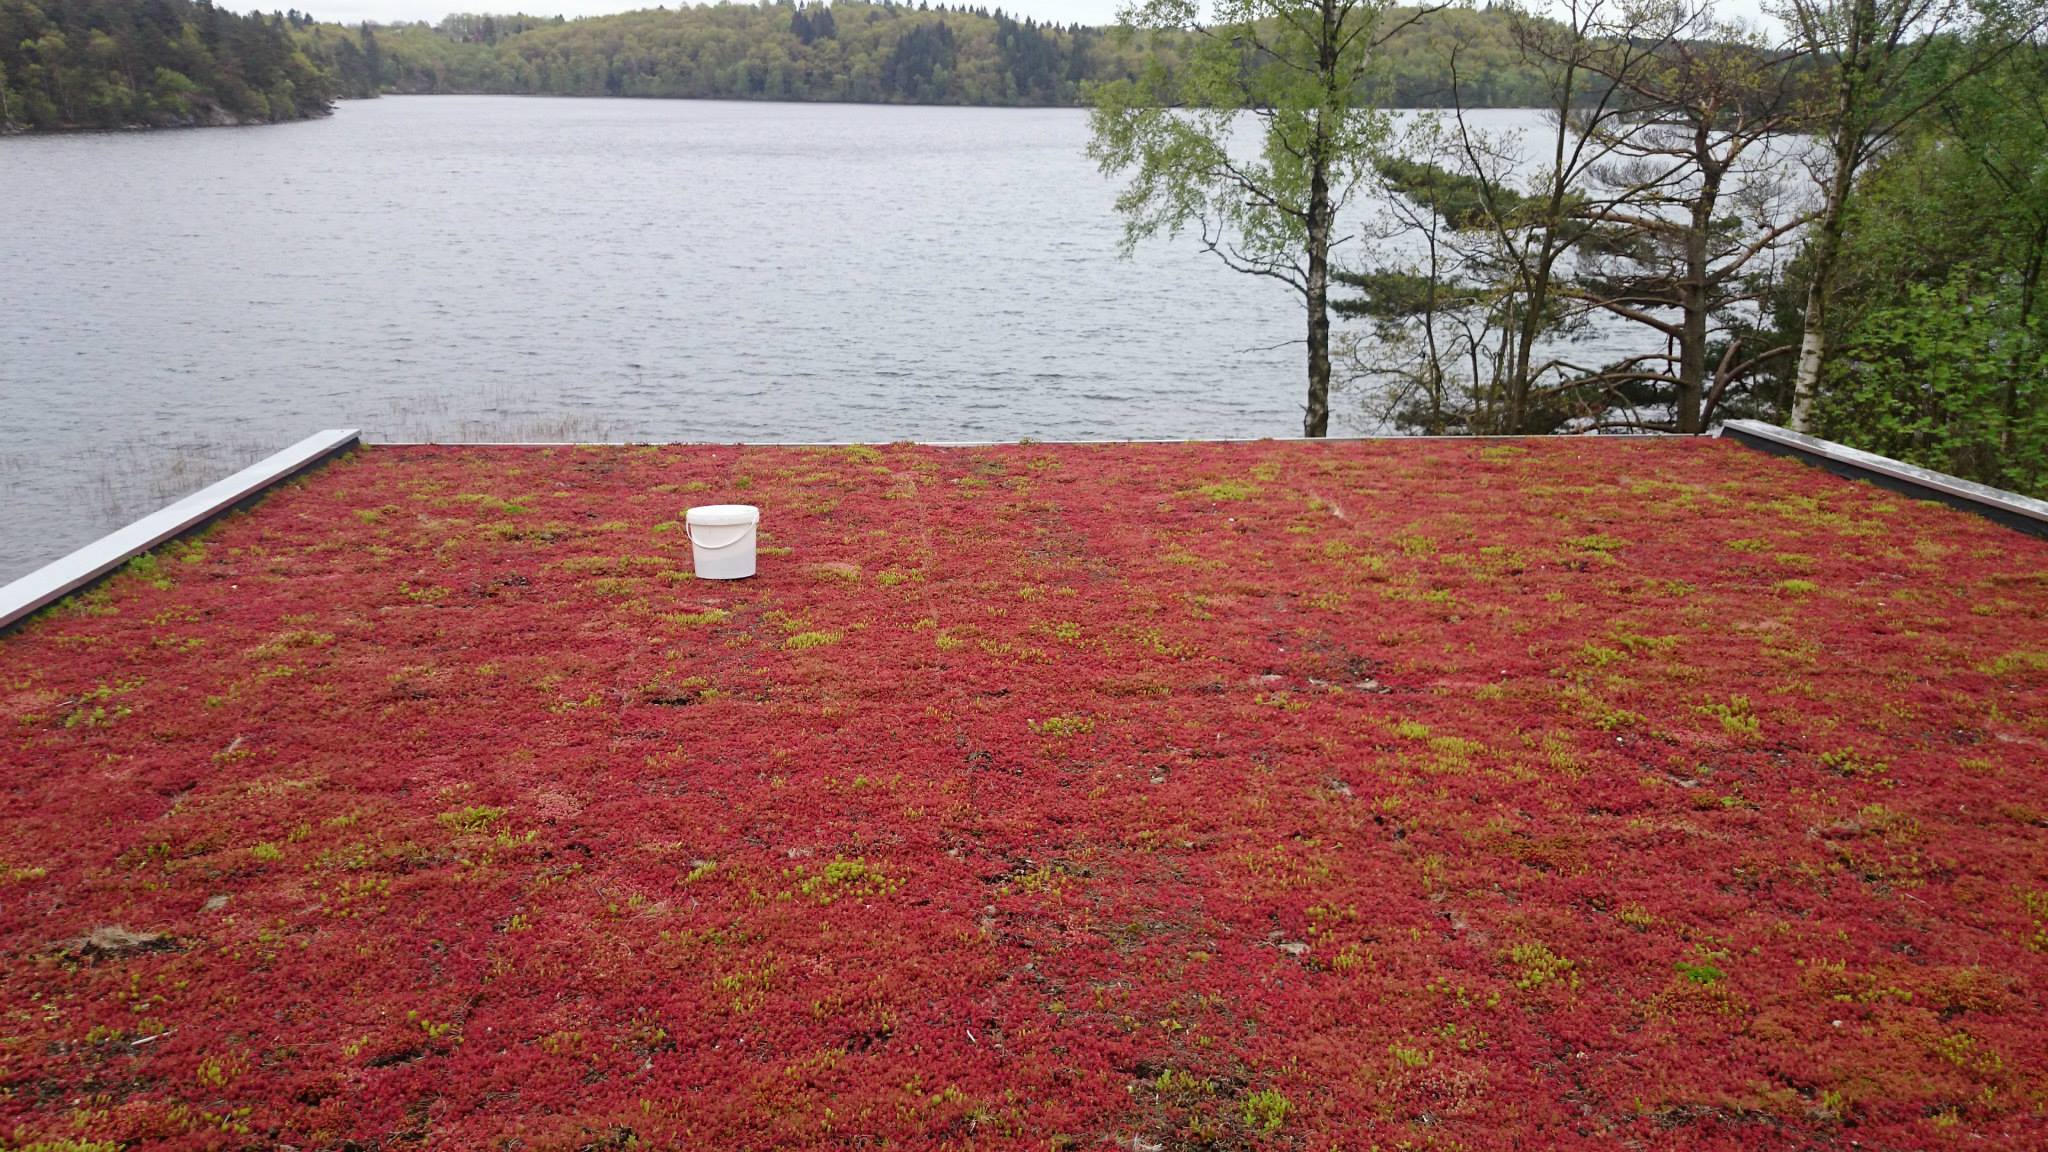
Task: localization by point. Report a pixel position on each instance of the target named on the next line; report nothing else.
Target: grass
(1122, 796)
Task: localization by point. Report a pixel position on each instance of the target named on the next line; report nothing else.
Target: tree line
(1839, 224)
(871, 53)
(880, 53)
(107, 63)
(111, 63)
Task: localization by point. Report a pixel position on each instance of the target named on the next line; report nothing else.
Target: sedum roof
(1474, 794)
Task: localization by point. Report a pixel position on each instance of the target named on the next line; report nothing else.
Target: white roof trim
(60, 578)
(2010, 506)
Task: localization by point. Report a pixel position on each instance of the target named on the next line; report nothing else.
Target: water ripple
(506, 268)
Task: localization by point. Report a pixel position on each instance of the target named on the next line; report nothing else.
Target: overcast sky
(393, 11)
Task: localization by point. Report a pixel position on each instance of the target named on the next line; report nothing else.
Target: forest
(858, 52)
(114, 63)
(154, 63)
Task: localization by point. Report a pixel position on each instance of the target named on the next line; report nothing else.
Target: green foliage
(1256, 138)
(1493, 70)
(868, 53)
(112, 63)
(1735, 716)
(1952, 376)
(1430, 356)
(1536, 965)
(1706, 975)
(864, 53)
(1228, 490)
(1648, 200)
(1463, 200)
(2016, 663)
(1852, 763)
(846, 876)
(1411, 1057)
(476, 818)
(1597, 542)
(1060, 727)
(1171, 128)
(104, 63)
(1687, 221)
(1937, 318)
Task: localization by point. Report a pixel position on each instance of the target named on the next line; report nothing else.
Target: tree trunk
(1847, 146)
(1813, 332)
(1520, 384)
(1433, 371)
(1316, 417)
(1812, 345)
(1692, 363)
(1537, 287)
(1692, 293)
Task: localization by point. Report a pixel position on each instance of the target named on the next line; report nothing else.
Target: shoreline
(229, 121)
(217, 119)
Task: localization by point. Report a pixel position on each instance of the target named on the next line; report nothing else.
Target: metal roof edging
(2023, 513)
(59, 578)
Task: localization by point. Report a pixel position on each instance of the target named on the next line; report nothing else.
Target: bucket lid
(715, 514)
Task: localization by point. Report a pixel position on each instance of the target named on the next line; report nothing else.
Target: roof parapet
(60, 578)
(2008, 508)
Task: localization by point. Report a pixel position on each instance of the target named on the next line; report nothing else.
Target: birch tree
(1257, 141)
(1878, 55)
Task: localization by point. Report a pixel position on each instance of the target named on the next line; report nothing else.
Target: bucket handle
(690, 530)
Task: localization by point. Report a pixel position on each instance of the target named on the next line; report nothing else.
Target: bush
(1949, 378)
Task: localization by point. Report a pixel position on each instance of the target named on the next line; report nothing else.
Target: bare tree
(1432, 355)
(1587, 114)
(1692, 204)
(1504, 230)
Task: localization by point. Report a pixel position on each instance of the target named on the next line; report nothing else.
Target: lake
(178, 304)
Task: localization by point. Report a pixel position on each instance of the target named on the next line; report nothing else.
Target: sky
(393, 11)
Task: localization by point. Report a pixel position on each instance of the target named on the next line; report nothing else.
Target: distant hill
(154, 63)
(115, 63)
(869, 53)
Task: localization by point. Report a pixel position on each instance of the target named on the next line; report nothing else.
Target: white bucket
(722, 540)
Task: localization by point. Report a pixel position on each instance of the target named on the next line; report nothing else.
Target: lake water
(177, 304)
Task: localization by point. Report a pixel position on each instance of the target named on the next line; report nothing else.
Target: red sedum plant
(1416, 794)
